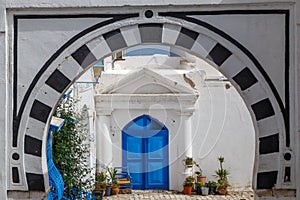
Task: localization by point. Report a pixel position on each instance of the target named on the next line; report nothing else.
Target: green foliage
(112, 173)
(100, 181)
(222, 173)
(198, 172)
(71, 148)
(200, 184)
(212, 184)
(188, 161)
(101, 177)
(189, 181)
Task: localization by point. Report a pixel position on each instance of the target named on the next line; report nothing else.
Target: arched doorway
(145, 153)
(193, 35)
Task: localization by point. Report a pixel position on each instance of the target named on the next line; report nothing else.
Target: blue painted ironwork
(145, 153)
(55, 179)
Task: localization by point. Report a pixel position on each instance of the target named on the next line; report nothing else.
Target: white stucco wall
(95, 3)
(221, 126)
(221, 123)
(224, 128)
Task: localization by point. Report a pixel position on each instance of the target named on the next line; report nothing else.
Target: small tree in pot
(222, 175)
(115, 187)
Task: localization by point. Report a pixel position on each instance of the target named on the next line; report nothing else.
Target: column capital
(102, 112)
(185, 112)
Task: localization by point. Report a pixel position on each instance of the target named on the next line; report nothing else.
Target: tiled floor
(162, 195)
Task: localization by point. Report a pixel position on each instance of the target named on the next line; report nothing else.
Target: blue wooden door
(145, 153)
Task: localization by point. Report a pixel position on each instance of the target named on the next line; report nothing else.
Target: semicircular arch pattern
(200, 39)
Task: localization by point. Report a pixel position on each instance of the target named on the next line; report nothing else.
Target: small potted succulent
(212, 185)
(222, 175)
(198, 188)
(114, 187)
(188, 185)
(100, 185)
(204, 190)
(188, 162)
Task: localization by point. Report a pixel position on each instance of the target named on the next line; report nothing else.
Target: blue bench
(123, 178)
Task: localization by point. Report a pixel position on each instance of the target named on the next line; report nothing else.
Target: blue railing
(56, 181)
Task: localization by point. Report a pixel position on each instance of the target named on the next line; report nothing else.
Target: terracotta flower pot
(187, 190)
(201, 179)
(115, 190)
(222, 190)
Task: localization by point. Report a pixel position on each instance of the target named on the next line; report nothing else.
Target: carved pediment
(147, 81)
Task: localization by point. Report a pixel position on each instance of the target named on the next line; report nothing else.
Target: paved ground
(162, 195)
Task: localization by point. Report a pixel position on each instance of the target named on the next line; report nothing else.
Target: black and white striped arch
(250, 84)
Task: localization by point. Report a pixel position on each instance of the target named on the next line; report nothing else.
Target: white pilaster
(184, 142)
(103, 139)
(185, 129)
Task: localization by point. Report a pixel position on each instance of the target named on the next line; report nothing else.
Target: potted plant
(114, 187)
(212, 185)
(222, 175)
(198, 172)
(108, 189)
(100, 185)
(188, 162)
(204, 190)
(198, 188)
(188, 185)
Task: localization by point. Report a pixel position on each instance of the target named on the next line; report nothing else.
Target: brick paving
(162, 195)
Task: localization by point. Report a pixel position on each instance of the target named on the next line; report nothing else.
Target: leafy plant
(71, 149)
(222, 174)
(199, 170)
(212, 184)
(200, 184)
(189, 181)
(100, 181)
(188, 161)
(112, 174)
(100, 177)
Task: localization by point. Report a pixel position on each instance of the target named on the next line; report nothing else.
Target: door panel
(145, 153)
(133, 159)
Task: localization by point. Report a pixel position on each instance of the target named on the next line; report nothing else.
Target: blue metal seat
(123, 178)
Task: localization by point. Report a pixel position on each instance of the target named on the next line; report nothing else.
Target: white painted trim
(268, 162)
(131, 35)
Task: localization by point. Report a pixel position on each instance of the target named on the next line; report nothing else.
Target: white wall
(221, 126)
(95, 3)
(3, 103)
(83, 90)
(298, 95)
(120, 118)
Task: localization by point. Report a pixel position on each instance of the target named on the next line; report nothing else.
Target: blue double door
(145, 153)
